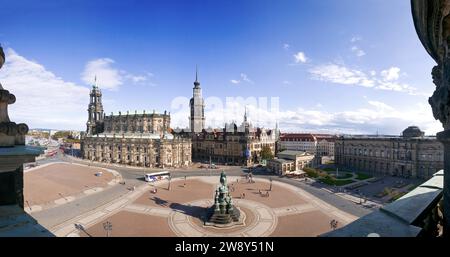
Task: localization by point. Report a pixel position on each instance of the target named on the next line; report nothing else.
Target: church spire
(245, 114)
(196, 83)
(95, 82)
(196, 73)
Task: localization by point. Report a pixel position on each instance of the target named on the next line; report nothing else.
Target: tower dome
(413, 131)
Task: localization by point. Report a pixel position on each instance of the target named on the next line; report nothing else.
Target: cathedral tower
(197, 118)
(95, 110)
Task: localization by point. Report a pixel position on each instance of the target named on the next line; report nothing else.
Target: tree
(60, 134)
(266, 153)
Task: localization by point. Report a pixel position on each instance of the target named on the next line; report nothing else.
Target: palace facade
(317, 144)
(409, 155)
(232, 145)
(147, 140)
(143, 139)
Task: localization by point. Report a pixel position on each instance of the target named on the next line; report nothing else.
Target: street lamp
(170, 178)
(209, 167)
(108, 227)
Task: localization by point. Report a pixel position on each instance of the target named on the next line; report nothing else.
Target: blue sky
(336, 66)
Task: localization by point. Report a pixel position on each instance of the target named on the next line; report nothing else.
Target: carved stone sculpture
(432, 23)
(13, 152)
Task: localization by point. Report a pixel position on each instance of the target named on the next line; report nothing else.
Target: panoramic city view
(224, 119)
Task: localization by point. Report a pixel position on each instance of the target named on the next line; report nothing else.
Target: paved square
(287, 211)
(60, 182)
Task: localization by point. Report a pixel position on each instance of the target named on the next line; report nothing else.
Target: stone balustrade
(417, 213)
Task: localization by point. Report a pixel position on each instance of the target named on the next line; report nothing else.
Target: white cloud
(300, 57)
(137, 79)
(243, 77)
(364, 120)
(367, 119)
(357, 51)
(286, 46)
(355, 39)
(286, 82)
(109, 77)
(390, 74)
(339, 74)
(381, 105)
(43, 99)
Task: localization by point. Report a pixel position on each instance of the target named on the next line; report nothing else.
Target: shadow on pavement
(159, 201)
(193, 211)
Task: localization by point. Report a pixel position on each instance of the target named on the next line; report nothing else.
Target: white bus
(156, 176)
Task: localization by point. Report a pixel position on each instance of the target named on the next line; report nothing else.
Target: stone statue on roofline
(10, 133)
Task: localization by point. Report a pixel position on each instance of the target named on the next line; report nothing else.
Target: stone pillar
(432, 24)
(13, 152)
(444, 137)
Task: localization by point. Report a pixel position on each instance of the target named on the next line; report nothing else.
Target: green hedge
(347, 175)
(397, 196)
(412, 187)
(312, 173)
(332, 181)
(362, 176)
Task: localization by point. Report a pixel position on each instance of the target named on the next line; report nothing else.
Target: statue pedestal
(225, 220)
(11, 172)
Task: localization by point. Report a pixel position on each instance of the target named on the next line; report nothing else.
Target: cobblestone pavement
(182, 217)
(58, 183)
(134, 176)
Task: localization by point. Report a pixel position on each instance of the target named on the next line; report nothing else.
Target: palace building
(143, 139)
(233, 144)
(409, 155)
(147, 140)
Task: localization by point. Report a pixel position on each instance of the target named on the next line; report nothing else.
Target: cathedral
(147, 140)
(143, 139)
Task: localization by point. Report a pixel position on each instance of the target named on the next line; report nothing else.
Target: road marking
(90, 218)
